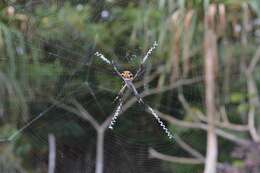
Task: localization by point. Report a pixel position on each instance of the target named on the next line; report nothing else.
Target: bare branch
(223, 115)
(182, 160)
(188, 148)
(162, 89)
(226, 125)
(80, 111)
(254, 61)
(184, 124)
(251, 124)
(202, 117)
(202, 126)
(254, 101)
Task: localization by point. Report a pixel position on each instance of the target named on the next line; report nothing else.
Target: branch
(226, 124)
(188, 148)
(251, 124)
(223, 115)
(86, 114)
(182, 160)
(176, 84)
(106, 123)
(80, 111)
(149, 92)
(184, 124)
(254, 61)
(201, 116)
(253, 98)
(202, 126)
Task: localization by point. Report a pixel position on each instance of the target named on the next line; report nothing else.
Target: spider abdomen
(127, 75)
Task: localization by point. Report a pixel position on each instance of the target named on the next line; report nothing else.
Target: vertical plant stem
(52, 154)
(210, 43)
(99, 151)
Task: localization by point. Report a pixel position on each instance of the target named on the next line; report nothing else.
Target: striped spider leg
(120, 104)
(128, 78)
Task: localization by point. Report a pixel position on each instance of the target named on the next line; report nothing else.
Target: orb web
(126, 147)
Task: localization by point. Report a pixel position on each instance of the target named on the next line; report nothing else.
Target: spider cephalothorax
(127, 75)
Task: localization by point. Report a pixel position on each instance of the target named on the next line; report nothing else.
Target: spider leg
(132, 88)
(158, 119)
(150, 109)
(120, 93)
(102, 57)
(116, 114)
(149, 52)
(166, 130)
(147, 55)
(120, 104)
(116, 69)
(112, 63)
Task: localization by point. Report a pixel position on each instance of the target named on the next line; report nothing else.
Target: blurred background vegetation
(47, 55)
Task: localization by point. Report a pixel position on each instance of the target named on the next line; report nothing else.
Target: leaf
(236, 97)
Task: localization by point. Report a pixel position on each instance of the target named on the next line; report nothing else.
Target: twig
(100, 129)
(80, 111)
(185, 124)
(162, 89)
(226, 125)
(202, 126)
(182, 160)
(85, 114)
(188, 148)
(251, 124)
(223, 115)
(254, 61)
(253, 96)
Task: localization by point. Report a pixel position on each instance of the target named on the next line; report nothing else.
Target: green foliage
(40, 62)
(236, 97)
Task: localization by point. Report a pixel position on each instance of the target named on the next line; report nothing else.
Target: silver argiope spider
(128, 79)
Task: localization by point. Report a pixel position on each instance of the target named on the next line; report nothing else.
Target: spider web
(136, 130)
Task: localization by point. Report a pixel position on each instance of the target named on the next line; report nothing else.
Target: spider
(128, 79)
